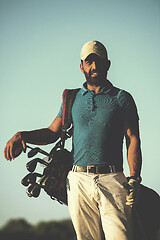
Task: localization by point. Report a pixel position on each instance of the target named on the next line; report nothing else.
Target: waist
(93, 169)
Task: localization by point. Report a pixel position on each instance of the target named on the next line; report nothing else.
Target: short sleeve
(128, 106)
(60, 111)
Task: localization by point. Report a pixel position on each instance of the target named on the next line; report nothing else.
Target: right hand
(14, 147)
(133, 187)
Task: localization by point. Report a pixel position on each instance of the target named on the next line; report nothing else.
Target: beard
(97, 80)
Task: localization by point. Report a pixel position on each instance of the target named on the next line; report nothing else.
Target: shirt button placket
(93, 102)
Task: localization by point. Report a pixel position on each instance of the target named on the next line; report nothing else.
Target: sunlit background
(40, 43)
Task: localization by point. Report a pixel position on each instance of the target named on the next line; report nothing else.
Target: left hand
(133, 187)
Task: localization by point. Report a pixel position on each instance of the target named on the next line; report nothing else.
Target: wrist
(135, 178)
(22, 136)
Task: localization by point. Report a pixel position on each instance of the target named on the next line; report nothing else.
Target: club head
(30, 178)
(33, 190)
(31, 165)
(36, 150)
(24, 181)
(33, 152)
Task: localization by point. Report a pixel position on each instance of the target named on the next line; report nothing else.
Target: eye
(88, 62)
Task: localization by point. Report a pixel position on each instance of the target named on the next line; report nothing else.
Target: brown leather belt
(97, 169)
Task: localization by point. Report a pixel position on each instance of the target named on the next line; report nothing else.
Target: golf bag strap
(68, 98)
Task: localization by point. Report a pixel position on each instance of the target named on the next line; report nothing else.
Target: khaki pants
(96, 202)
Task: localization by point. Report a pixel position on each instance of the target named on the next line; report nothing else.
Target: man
(102, 116)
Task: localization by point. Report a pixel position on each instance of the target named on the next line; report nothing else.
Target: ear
(81, 67)
(108, 64)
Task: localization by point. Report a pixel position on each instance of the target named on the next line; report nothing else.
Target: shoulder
(128, 105)
(123, 94)
(125, 97)
(120, 94)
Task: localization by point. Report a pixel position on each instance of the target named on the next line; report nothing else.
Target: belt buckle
(91, 169)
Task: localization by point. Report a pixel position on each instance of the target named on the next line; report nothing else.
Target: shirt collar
(106, 88)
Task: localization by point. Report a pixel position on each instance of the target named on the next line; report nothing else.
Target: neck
(94, 88)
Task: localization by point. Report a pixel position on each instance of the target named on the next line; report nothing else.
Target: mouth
(94, 74)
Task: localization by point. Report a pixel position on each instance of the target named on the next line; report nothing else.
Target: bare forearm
(17, 143)
(134, 158)
(40, 137)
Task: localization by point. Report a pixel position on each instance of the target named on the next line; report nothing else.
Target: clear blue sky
(40, 43)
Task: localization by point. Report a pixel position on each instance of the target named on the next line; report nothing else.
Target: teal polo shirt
(98, 120)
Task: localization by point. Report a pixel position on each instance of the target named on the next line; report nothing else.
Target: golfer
(103, 116)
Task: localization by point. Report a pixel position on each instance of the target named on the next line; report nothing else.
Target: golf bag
(57, 163)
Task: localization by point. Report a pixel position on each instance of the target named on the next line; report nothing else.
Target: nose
(94, 65)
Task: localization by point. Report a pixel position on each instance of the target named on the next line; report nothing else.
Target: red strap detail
(64, 97)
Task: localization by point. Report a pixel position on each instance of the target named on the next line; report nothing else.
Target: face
(95, 69)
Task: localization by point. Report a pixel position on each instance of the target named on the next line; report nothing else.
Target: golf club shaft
(39, 150)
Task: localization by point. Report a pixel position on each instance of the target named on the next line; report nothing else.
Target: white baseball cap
(93, 47)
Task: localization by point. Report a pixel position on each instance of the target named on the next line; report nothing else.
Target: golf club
(31, 165)
(44, 181)
(34, 151)
(33, 190)
(30, 178)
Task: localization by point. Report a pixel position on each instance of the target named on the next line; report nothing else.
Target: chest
(100, 110)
